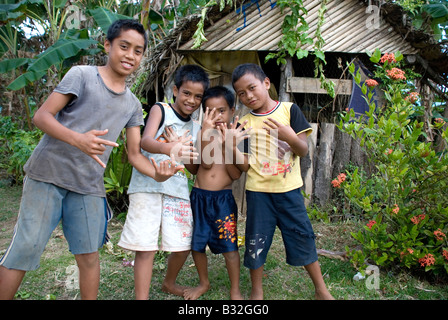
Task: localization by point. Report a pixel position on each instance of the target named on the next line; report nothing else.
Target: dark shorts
(286, 210)
(215, 215)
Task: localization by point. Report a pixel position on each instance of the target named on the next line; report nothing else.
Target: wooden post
(286, 73)
(307, 165)
(324, 164)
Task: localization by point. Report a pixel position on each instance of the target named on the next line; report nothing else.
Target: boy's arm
(206, 134)
(233, 171)
(148, 141)
(182, 149)
(191, 166)
(160, 172)
(88, 142)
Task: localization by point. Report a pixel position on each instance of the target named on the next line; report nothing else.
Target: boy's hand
(165, 169)
(90, 144)
(183, 150)
(171, 136)
(234, 135)
(282, 148)
(208, 123)
(297, 143)
(284, 132)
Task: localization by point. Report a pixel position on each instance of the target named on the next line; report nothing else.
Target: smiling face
(254, 93)
(222, 108)
(125, 52)
(188, 97)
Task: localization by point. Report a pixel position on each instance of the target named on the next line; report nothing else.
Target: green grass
(281, 281)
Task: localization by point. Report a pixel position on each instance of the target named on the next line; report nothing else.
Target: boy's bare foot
(256, 294)
(323, 295)
(196, 292)
(236, 295)
(174, 289)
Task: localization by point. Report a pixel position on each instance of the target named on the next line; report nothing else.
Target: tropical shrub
(404, 202)
(117, 177)
(16, 146)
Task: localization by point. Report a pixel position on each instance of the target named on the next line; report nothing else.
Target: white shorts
(151, 212)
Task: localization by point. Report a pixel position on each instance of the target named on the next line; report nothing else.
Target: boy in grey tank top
(165, 206)
(81, 119)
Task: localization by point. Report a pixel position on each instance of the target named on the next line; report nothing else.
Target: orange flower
(389, 57)
(412, 97)
(340, 178)
(371, 224)
(396, 74)
(417, 219)
(439, 234)
(440, 121)
(371, 83)
(445, 254)
(396, 209)
(427, 260)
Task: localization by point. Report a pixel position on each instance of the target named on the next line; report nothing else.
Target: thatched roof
(397, 32)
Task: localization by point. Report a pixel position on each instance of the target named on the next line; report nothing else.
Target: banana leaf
(104, 17)
(57, 53)
(11, 64)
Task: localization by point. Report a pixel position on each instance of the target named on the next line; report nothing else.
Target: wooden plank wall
(328, 155)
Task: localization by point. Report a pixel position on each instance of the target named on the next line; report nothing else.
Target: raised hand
(92, 145)
(283, 132)
(208, 123)
(235, 134)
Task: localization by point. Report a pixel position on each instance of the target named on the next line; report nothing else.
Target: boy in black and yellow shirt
(277, 141)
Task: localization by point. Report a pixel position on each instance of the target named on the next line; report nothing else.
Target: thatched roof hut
(249, 32)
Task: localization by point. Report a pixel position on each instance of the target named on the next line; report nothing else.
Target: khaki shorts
(151, 212)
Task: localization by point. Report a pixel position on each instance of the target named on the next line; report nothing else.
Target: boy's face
(188, 97)
(125, 52)
(252, 92)
(222, 109)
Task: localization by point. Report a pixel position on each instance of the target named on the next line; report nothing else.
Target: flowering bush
(405, 200)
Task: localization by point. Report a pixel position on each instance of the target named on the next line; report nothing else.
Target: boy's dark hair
(246, 68)
(120, 25)
(191, 72)
(219, 91)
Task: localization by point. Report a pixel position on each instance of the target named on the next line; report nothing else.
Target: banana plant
(66, 44)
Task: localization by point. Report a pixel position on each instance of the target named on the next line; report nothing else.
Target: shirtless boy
(214, 208)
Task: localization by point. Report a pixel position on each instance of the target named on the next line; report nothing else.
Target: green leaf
(11, 64)
(104, 17)
(61, 50)
(25, 79)
(375, 58)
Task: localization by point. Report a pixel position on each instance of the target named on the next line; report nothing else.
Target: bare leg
(143, 265)
(256, 276)
(175, 262)
(200, 261)
(10, 280)
(315, 273)
(89, 275)
(233, 268)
